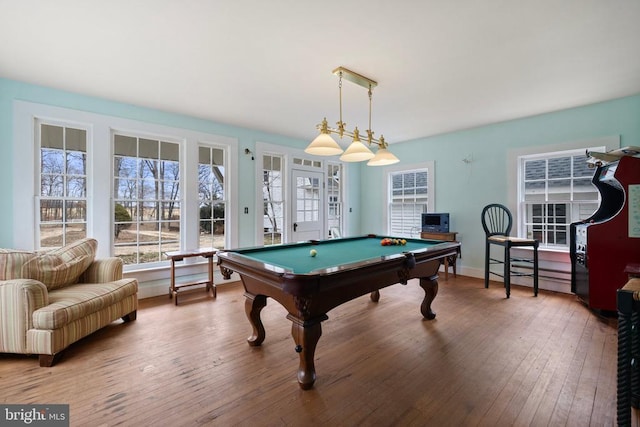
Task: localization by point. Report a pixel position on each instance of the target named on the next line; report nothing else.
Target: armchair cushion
(78, 249)
(66, 305)
(51, 270)
(61, 267)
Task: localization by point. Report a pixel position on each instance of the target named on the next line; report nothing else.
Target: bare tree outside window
(273, 199)
(147, 204)
(63, 185)
(211, 195)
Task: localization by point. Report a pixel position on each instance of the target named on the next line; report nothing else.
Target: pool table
(309, 285)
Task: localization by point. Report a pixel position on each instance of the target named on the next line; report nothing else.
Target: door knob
(295, 226)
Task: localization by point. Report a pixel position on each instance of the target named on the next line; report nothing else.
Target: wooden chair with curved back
(497, 222)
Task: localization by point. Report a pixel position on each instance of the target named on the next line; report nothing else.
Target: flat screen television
(435, 222)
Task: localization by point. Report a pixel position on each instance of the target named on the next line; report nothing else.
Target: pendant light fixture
(325, 145)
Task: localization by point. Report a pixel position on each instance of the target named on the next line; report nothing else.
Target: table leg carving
(430, 286)
(253, 305)
(302, 305)
(306, 335)
(226, 272)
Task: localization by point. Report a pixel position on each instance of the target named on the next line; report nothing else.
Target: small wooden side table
(176, 256)
(449, 261)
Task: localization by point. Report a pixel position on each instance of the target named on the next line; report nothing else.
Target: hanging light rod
(325, 145)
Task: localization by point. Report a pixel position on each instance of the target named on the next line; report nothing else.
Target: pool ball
(313, 252)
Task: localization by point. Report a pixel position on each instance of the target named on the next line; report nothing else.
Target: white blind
(405, 218)
(408, 200)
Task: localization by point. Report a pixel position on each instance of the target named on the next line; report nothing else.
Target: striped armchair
(49, 300)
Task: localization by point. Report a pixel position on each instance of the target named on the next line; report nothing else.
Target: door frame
(295, 158)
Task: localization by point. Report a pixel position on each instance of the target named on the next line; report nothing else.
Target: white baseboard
(543, 283)
(155, 283)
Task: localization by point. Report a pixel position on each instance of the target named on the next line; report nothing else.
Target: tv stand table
(449, 261)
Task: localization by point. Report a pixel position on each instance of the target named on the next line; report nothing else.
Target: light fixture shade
(357, 152)
(383, 157)
(323, 145)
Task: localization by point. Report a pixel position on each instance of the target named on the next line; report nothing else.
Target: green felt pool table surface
(297, 259)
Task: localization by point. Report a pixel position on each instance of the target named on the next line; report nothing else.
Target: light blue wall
(464, 189)
(12, 90)
(461, 189)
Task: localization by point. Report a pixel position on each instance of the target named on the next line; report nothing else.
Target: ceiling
(440, 65)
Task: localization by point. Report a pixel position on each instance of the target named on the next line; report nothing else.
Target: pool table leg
(253, 305)
(430, 286)
(306, 335)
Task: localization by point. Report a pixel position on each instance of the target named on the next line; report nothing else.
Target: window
(63, 185)
(95, 175)
(334, 199)
(212, 197)
(307, 200)
(307, 162)
(555, 190)
(273, 198)
(408, 199)
(147, 204)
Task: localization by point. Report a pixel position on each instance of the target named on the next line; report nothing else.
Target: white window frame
(514, 169)
(38, 123)
(262, 149)
(548, 225)
(226, 191)
(138, 221)
(283, 203)
(99, 191)
(429, 166)
(339, 203)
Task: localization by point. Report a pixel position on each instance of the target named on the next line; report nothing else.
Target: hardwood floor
(484, 360)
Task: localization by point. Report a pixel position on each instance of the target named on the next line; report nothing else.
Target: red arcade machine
(605, 243)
